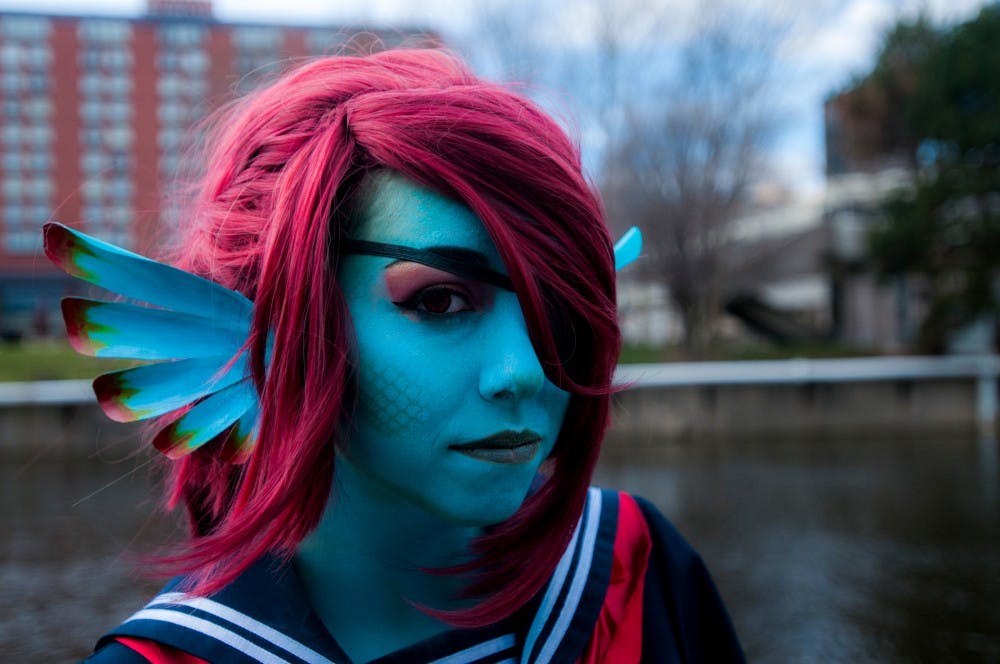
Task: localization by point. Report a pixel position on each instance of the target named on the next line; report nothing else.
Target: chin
(480, 512)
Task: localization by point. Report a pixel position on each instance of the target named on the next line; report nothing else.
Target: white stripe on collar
(229, 614)
(551, 593)
(586, 529)
(476, 652)
(209, 628)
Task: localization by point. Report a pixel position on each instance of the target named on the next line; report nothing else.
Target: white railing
(46, 393)
(852, 369)
(984, 369)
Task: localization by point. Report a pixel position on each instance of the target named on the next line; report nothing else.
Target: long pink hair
(283, 173)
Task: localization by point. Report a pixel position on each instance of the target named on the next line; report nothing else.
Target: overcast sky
(834, 40)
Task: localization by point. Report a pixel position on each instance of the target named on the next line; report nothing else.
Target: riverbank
(663, 405)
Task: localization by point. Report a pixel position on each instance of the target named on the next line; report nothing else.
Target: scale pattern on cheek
(390, 401)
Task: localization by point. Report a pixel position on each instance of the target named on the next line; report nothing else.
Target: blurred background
(810, 335)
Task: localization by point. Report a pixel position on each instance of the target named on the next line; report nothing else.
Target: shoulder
(684, 618)
(640, 526)
(262, 616)
(669, 546)
(115, 653)
(140, 651)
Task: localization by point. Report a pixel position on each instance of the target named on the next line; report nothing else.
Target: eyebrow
(459, 261)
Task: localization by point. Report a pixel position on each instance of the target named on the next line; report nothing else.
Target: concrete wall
(647, 419)
(59, 431)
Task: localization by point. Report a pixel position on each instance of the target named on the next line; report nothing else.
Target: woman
(386, 457)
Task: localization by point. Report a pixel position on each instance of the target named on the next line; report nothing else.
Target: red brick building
(97, 115)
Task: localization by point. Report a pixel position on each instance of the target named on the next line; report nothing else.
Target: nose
(510, 367)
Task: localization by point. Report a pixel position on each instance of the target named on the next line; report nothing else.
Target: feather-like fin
(628, 247)
(243, 437)
(206, 420)
(140, 278)
(158, 389)
(117, 329)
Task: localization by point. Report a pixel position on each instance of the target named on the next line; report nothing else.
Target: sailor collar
(264, 615)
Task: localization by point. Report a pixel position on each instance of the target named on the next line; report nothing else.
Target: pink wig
(284, 170)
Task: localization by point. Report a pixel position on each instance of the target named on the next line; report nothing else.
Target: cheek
(555, 403)
(391, 401)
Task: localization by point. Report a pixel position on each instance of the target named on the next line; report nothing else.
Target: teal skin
(443, 361)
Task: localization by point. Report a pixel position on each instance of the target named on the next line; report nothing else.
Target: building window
(182, 84)
(325, 42)
(258, 55)
(26, 134)
(182, 35)
(100, 31)
(25, 28)
(106, 135)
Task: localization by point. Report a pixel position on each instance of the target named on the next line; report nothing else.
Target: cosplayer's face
(455, 413)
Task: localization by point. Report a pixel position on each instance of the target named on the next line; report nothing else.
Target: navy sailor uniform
(265, 616)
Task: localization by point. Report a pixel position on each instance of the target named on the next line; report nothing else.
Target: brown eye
(438, 301)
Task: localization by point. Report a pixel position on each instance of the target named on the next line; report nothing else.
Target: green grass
(50, 360)
(641, 354)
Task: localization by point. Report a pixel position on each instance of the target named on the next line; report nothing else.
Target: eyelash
(417, 302)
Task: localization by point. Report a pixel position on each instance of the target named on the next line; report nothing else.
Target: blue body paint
(455, 417)
(430, 381)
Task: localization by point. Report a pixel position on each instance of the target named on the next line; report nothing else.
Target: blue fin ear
(201, 325)
(206, 419)
(157, 389)
(242, 437)
(628, 248)
(117, 329)
(140, 278)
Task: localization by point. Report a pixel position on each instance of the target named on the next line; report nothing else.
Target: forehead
(397, 210)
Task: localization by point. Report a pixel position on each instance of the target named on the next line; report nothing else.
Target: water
(65, 569)
(851, 552)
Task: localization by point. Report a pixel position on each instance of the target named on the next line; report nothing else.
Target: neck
(364, 566)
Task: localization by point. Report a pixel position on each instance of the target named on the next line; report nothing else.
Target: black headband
(435, 258)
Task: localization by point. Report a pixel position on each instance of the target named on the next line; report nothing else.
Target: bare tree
(506, 41)
(625, 60)
(676, 104)
(687, 160)
(579, 50)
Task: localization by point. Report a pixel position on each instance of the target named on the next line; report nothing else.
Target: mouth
(509, 447)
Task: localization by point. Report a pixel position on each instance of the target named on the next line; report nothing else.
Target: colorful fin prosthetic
(242, 437)
(194, 332)
(139, 278)
(157, 389)
(628, 247)
(116, 329)
(205, 420)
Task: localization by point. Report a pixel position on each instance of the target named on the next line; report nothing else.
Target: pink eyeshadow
(404, 279)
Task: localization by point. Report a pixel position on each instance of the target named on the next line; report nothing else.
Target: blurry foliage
(943, 88)
(876, 107)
